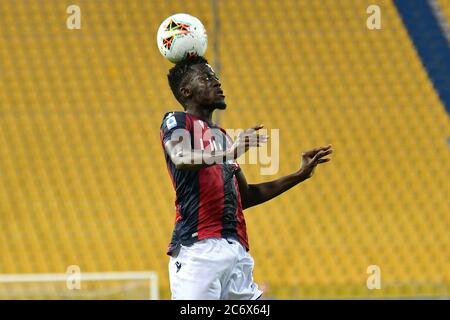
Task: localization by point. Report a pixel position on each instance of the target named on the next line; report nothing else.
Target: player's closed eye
(210, 78)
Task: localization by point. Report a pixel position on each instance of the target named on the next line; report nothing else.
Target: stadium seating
(83, 179)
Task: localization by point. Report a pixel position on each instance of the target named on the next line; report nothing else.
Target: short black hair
(179, 73)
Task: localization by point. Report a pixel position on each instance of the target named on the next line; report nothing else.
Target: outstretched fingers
(322, 153)
(313, 152)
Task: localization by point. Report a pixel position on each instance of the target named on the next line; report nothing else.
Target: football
(181, 36)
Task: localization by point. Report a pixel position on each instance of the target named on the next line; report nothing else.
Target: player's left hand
(311, 158)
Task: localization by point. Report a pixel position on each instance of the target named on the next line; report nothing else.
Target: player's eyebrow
(207, 69)
(209, 74)
(212, 74)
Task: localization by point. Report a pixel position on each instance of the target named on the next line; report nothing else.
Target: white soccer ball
(180, 36)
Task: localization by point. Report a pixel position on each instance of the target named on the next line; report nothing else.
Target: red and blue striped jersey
(208, 202)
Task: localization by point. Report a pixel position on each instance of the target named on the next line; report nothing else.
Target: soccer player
(209, 256)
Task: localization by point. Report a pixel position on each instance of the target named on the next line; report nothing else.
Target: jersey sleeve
(172, 121)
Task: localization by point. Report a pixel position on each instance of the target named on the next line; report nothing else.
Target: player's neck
(203, 114)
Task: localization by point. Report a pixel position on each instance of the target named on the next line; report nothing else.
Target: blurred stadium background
(83, 179)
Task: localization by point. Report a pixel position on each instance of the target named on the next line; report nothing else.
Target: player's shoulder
(174, 114)
(173, 119)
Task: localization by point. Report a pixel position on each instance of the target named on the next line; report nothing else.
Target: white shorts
(212, 269)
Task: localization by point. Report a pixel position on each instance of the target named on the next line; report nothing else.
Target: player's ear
(186, 92)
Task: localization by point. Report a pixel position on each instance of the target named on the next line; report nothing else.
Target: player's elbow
(248, 204)
(250, 196)
(181, 166)
(180, 163)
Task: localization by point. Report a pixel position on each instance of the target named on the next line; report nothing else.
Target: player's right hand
(247, 139)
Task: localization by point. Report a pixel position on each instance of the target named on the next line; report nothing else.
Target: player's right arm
(183, 157)
(177, 143)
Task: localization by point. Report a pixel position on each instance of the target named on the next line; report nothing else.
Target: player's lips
(220, 93)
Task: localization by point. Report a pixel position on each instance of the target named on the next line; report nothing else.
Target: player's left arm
(254, 194)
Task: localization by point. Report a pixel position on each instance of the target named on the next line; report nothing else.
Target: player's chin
(221, 104)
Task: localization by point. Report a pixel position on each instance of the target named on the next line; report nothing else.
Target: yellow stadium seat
(83, 179)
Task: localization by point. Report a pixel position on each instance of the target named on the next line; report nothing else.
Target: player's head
(195, 84)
